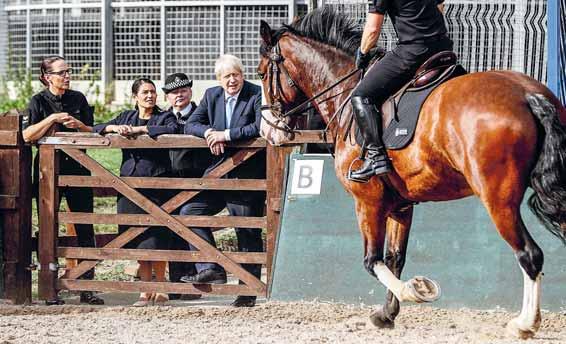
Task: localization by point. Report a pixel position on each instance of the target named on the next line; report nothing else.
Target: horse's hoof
(514, 331)
(424, 289)
(378, 319)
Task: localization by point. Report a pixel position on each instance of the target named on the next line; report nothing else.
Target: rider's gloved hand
(362, 60)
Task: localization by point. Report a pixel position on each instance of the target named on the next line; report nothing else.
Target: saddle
(401, 111)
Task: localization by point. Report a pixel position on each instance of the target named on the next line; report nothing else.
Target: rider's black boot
(368, 119)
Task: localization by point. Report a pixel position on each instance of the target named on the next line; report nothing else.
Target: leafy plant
(21, 82)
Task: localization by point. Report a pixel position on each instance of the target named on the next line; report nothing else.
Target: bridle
(275, 68)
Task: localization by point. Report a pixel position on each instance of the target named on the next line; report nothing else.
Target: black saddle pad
(401, 129)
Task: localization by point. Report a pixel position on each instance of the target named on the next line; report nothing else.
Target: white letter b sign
(307, 177)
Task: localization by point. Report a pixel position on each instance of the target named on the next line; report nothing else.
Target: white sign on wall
(307, 177)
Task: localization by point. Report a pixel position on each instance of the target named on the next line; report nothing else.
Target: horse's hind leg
(507, 218)
(398, 227)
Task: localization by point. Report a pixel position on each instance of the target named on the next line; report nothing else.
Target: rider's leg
(369, 122)
(382, 79)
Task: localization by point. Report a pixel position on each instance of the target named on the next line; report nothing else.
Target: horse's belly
(431, 185)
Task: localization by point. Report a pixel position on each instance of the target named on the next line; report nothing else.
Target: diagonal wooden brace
(162, 214)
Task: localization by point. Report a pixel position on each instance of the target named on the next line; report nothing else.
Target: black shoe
(206, 276)
(244, 301)
(55, 302)
(184, 297)
(89, 298)
(376, 163)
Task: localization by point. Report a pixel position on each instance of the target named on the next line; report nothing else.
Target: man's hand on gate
(217, 148)
(214, 136)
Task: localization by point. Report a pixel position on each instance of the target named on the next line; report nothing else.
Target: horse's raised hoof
(514, 331)
(424, 289)
(378, 319)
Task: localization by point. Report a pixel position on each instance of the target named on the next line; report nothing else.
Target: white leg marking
(528, 322)
(404, 291)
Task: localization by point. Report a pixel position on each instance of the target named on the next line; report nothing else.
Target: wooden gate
(73, 144)
(15, 211)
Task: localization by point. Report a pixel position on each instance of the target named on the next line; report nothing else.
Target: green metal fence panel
(320, 252)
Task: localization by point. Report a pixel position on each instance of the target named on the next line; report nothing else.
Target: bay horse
(489, 134)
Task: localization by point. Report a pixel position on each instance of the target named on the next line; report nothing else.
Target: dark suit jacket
(188, 162)
(144, 162)
(244, 125)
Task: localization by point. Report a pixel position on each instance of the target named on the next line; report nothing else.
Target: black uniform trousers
(78, 200)
(398, 67)
(211, 203)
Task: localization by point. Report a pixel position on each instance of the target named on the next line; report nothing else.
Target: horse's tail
(548, 178)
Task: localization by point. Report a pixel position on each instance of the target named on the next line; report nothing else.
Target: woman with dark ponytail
(148, 119)
(58, 108)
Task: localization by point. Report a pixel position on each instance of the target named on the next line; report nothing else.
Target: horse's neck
(323, 69)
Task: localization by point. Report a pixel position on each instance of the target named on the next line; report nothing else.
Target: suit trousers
(211, 203)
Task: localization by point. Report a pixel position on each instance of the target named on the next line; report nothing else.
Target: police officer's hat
(175, 81)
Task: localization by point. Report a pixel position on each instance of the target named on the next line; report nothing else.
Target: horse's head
(301, 62)
(277, 72)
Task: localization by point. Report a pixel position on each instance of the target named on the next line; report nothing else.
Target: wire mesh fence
(136, 42)
(562, 52)
(242, 31)
(193, 40)
(487, 34)
(17, 36)
(82, 39)
(153, 38)
(45, 36)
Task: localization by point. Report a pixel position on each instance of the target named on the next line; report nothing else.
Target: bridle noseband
(275, 68)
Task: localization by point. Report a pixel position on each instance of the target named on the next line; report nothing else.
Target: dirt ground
(212, 320)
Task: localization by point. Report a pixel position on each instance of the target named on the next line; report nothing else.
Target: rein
(276, 108)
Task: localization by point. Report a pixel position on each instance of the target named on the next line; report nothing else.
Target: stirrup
(349, 176)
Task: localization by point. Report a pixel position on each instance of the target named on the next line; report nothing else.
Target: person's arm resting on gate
(40, 127)
(169, 126)
(198, 122)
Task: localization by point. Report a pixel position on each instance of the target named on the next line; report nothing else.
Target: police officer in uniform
(185, 163)
(421, 33)
(59, 108)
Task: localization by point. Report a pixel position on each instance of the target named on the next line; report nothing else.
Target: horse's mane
(328, 26)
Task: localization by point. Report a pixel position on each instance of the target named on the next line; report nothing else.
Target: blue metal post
(553, 30)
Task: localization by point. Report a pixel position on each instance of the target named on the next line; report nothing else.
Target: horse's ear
(266, 33)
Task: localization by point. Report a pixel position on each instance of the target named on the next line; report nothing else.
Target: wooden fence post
(15, 211)
(276, 158)
(48, 227)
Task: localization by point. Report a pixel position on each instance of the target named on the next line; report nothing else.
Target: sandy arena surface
(211, 320)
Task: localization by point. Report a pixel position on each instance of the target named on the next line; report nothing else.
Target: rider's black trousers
(396, 68)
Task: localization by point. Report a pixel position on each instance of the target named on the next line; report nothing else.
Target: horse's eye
(261, 75)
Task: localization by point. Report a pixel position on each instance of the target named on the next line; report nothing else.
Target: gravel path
(268, 322)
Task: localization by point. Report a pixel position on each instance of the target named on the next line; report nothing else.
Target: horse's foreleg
(372, 217)
(398, 227)
(417, 289)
